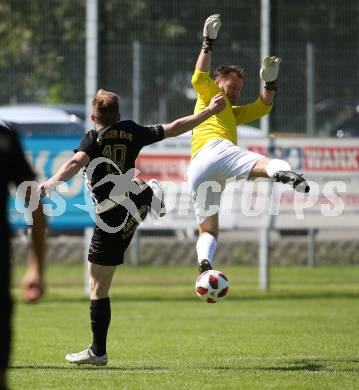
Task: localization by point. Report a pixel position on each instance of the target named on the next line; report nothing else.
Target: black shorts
(109, 248)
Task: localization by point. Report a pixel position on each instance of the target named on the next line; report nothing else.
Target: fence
(43, 51)
(43, 60)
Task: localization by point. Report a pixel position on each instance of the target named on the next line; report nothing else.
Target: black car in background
(337, 117)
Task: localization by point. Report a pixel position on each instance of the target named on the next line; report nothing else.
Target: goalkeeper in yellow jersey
(215, 154)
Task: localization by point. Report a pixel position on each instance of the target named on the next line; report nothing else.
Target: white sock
(206, 247)
(276, 165)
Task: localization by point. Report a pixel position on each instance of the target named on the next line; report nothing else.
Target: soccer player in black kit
(121, 201)
(15, 169)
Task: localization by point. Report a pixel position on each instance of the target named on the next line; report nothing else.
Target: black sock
(100, 314)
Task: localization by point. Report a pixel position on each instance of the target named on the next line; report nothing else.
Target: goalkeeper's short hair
(224, 70)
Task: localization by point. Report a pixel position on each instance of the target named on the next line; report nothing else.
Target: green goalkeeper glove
(269, 72)
(210, 31)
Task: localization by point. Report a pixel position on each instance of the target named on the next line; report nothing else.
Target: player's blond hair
(106, 107)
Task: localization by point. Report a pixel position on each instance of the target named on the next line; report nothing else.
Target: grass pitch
(303, 334)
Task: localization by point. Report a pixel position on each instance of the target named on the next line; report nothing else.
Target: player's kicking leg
(281, 172)
(100, 313)
(207, 243)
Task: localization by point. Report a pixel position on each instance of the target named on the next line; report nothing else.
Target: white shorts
(215, 164)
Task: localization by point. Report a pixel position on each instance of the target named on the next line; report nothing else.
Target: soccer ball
(212, 286)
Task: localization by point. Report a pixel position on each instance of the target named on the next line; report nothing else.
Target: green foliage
(38, 43)
(58, 93)
(303, 334)
(42, 44)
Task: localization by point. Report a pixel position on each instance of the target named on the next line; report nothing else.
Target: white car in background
(35, 120)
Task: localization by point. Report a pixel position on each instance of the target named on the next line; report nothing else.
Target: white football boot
(158, 205)
(87, 357)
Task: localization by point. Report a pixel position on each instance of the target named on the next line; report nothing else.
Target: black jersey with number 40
(120, 143)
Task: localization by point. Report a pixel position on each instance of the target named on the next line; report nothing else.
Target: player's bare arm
(210, 32)
(32, 283)
(269, 74)
(66, 172)
(187, 123)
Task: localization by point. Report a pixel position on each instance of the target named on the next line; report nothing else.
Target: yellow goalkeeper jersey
(224, 124)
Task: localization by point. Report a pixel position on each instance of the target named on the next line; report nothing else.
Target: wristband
(207, 44)
(270, 85)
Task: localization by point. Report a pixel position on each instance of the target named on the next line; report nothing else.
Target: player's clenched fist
(212, 26)
(217, 104)
(32, 285)
(269, 69)
(46, 188)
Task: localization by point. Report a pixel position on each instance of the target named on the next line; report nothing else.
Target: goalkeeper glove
(210, 31)
(269, 72)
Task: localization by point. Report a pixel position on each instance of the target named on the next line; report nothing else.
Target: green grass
(303, 334)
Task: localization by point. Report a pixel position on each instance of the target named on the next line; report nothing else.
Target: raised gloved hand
(210, 31)
(269, 71)
(212, 26)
